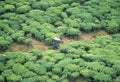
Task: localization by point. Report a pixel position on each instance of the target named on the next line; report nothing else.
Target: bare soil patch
(26, 48)
(86, 37)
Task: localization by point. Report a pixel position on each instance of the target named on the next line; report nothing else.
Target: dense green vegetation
(95, 61)
(44, 19)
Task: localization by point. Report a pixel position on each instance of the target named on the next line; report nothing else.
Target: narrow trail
(86, 37)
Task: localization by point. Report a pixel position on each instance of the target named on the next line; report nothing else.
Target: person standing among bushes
(56, 42)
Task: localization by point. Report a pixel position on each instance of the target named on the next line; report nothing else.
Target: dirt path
(24, 48)
(86, 37)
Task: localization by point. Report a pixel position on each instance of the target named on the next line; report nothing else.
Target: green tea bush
(1, 66)
(117, 79)
(1, 79)
(49, 38)
(87, 73)
(20, 40)
(4, 44)
(116, 37)
(31, 17)
(102, 77)
(14, 78)
(112, 27)
(9, 7)
(23, 9)
(37, 53)
(57, 70)
(28, 41)
(2, 10)
(72, 33)
(96, 61)
(74, 60)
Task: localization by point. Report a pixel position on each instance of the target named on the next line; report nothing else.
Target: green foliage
(116, 37)
(72, 70)
(31, 18)
(118, 79)
(57, 70)
(23, 9)
(20, 40)
(96, 61)
(43, 78)
(117, 68)
(2, 10)
(102, 77)
(63, 62)
(9, 7)
(4, 44)
(14, 78)
(54, 10)
(72, 32)
(41, 5)
(92, 61)
(7, 73)
(49, 38)
(75, 75)
(31, 79)
(1, 66)
(37, 53)
(30, 57)
(87, 73)
(36, 5)
(73, 10)
(1, 79)
(87, 27)
(18, 34)
(22, 71)
(64, 15)
(112, 27)
(61, 29)
(28, 41)
(39, 69)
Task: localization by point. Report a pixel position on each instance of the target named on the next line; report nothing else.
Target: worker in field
(56, 42)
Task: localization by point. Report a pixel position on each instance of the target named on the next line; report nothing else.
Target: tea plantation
(78, 61)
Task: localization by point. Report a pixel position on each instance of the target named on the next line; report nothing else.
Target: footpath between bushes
(86, 37)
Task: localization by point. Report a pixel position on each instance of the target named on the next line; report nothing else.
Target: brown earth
(25, 48)
(86, 37)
